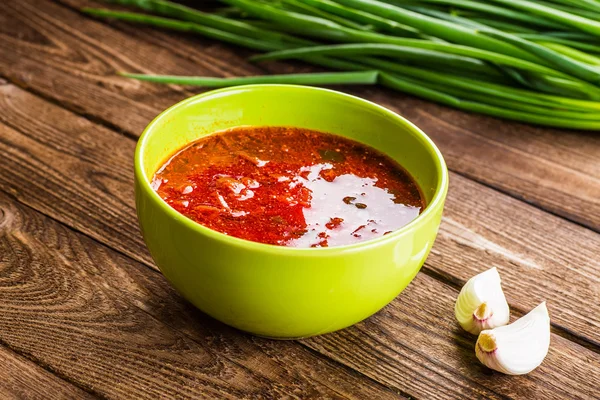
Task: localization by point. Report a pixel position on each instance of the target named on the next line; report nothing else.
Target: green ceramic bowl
(274, 291)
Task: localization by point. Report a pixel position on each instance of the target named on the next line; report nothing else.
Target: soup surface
(289, 187)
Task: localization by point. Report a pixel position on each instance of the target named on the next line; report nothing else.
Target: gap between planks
(395, 390)
(557, 329)
(21, 357)
(522, 198)
(92, 118)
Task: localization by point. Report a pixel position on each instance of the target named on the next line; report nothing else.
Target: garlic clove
(481, 303)
(518, 348)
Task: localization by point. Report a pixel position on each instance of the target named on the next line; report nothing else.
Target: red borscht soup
(289, 186)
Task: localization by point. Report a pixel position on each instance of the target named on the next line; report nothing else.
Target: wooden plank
(83, 66)
(23, 379)
(553, 169)
(537, 253)
(415, 340)
(63, 60)
(104, 321)
(117, 328)
(43, 168)
(542, 256)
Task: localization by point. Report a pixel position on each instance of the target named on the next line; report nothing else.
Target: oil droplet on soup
(289, 187)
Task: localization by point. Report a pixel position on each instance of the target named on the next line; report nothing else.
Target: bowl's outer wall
(273, 291)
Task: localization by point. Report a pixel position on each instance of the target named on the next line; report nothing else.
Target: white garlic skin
(518, 348)
(481, 303)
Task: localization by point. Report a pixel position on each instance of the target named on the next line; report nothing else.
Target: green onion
(321, 28)
(213, 34)
(183, 27)
(582, 23)
(535, 62)
(566, 64)
(323, 78)
(411, 53)
(435, 27)
(572, 53)
(183, 13)
(497, 12)
(562, 87)
(503, 26)
(362, 17)
(590, 48)
(593, 15)
(590, 5)
(517, 105)
(487, 88)
(421, 89)
(411, 49)
(580, 36)
(317, 12)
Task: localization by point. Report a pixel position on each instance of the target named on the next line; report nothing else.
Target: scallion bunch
(536, 62)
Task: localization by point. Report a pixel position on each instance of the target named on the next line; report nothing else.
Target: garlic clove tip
(518, 348)
(481, 303)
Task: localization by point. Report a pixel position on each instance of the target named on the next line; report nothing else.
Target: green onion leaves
(532, 61)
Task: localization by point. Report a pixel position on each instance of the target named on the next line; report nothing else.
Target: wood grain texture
(81, 174)
(22, 379)
(415, 342)
(409, 364)
(53, 51)
(554, 169)
(78, 172)
(115, 327)
(539, 256)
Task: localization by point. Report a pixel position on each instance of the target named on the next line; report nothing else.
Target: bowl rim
(436, 202)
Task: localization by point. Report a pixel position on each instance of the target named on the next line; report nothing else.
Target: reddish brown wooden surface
(21, 378)
(83, 311)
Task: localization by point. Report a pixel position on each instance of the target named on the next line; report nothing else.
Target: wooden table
(84, 312)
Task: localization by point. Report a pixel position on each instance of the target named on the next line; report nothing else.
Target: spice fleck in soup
(289, 186)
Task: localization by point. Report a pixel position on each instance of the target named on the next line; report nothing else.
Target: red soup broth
(289, 187)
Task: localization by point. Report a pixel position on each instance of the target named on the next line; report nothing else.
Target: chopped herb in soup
(289, 187)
